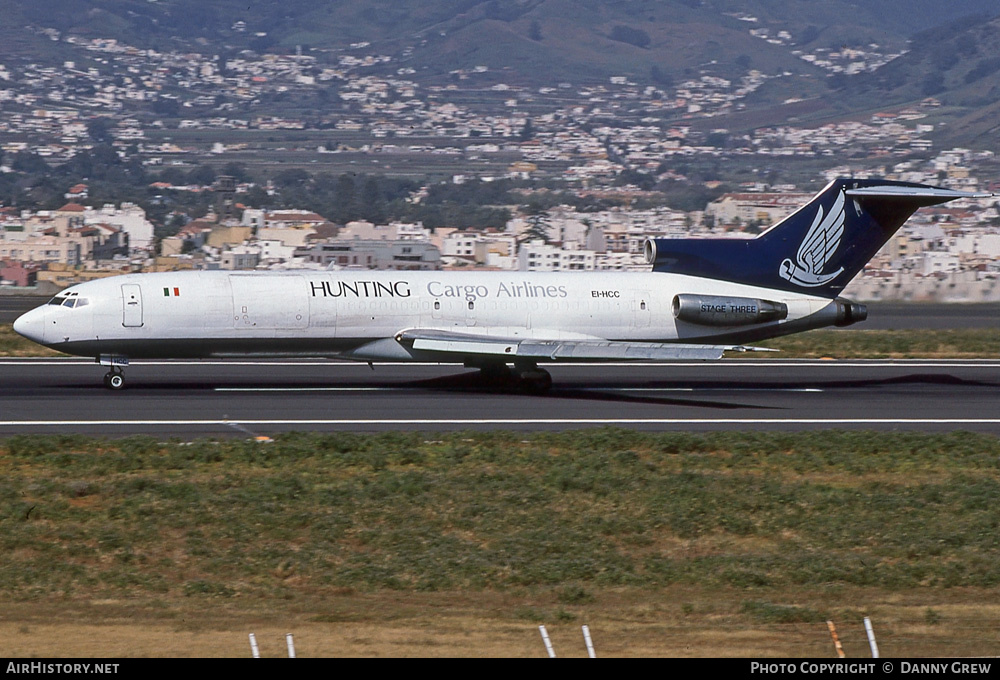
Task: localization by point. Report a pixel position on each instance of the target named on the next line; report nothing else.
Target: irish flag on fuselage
(171, 292)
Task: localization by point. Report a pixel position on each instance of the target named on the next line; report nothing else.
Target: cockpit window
(69, 301)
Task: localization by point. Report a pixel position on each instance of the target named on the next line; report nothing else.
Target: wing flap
(622, 351)
(561, 350)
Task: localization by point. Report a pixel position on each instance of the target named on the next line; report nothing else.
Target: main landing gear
(522, 377)
(114, 379)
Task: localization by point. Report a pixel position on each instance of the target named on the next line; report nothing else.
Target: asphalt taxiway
(250, 398)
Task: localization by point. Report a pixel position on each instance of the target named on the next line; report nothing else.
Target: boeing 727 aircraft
(702, 298)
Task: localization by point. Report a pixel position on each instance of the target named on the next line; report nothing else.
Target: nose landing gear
(114, 379)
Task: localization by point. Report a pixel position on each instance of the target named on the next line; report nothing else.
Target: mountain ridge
(946, 52)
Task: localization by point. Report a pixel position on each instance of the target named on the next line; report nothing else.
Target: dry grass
(673, 622)
(13, 345)
(965, 343)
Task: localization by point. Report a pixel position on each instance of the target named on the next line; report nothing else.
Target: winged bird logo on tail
(818, 246)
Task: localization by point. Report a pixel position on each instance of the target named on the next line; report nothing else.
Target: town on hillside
(170, 113)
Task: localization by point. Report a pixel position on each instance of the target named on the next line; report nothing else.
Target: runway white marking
(312, 389)
(507, 421)
(575, 389)
(699, 389)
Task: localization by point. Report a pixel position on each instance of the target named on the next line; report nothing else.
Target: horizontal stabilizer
(468, 346)
(915, 192)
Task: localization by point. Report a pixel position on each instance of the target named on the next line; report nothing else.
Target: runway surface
(248, 398)
(930, 315)
(12, 306)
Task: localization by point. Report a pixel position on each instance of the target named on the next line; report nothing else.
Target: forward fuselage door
(131, 305)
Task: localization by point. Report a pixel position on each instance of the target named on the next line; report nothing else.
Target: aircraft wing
(510, 349)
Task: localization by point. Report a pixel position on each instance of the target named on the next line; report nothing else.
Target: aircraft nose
(31, 325)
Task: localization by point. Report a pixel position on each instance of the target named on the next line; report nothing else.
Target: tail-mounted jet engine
(849, 312)
(715, 310)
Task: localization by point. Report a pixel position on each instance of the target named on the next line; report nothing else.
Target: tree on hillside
(166, 106)
(661, 77)
(535, 31)
(527, 132)
(238, 171)
(346, 199)
(99, 129)
(295, 177)
(372, 203)
(631, 36)
(174, 176)
(256, 197)
(933, 83)
(538, 225)
(29, 163)
(203, 175)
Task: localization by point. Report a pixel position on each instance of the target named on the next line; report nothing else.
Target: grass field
(409, 544)
(966, 343)
(13, 345)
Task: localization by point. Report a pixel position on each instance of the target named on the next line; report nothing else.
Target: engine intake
(715, 310)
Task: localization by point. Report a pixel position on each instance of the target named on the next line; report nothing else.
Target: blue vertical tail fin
(818, 249)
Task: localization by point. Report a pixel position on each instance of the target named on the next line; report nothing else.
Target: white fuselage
(341, 313)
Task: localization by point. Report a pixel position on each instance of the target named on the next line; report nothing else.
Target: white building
(764, 208)
(490, 249)
(460, 244)
(938, 262)
(537, 256)
(130, 218)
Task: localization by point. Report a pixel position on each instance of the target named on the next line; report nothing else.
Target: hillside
(947, 53)
(601, 40)
(539, 40)
(957, 64)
